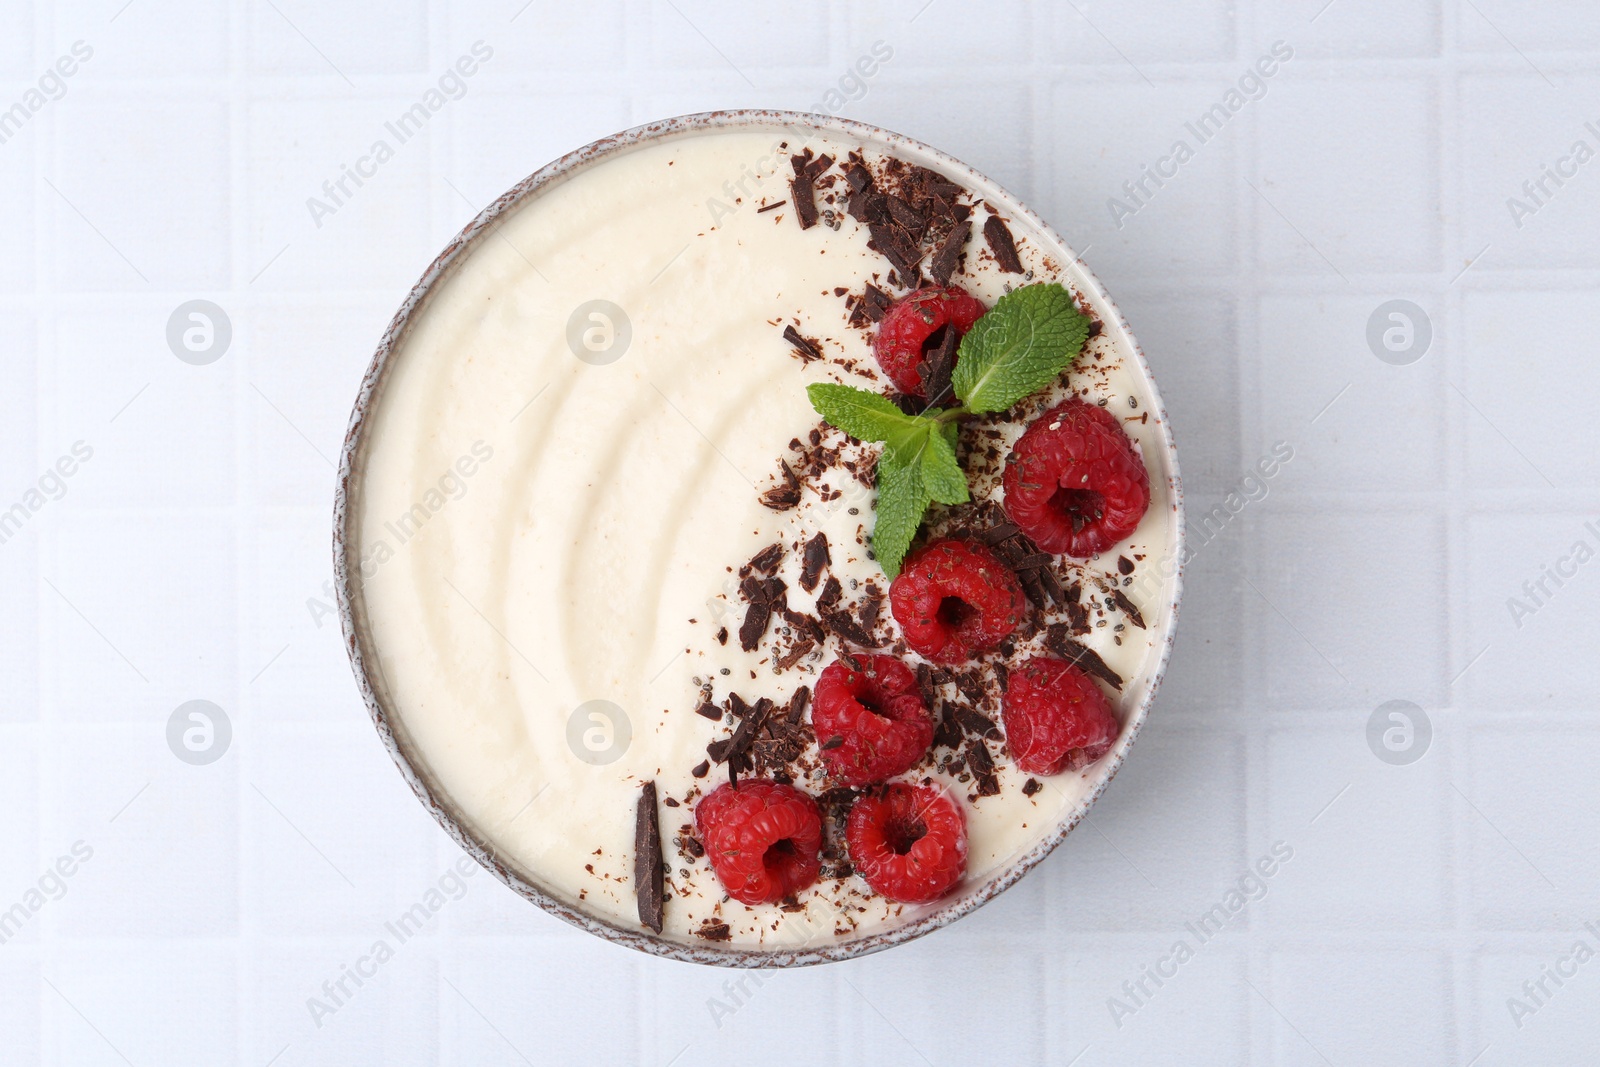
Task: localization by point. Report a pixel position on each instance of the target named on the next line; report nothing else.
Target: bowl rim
(346, 561)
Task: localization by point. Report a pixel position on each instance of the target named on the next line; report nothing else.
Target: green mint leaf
(1020, 346)
(862, 414)
(942, 475)
(902, 501)
(909, 442)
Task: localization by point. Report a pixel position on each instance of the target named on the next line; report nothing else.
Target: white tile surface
(1322, 206)
(1356, 424)
(188, 558)
(159, 144)
(328, 41)
(1406, 995)
(1096, 152)
(109, 1006)
(1094, 31)
(16, 210)
(1357, 28)
(1528, 198)
(1516, 438)
(1315, 574)
(1524, 615)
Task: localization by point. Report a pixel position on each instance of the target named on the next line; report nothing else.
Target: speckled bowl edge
(346, 576)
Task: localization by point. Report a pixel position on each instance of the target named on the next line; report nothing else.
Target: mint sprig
(1016, 349)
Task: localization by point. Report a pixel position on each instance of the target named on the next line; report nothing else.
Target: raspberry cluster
(1075, 484)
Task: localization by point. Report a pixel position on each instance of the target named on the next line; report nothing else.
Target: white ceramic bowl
(1162, 465)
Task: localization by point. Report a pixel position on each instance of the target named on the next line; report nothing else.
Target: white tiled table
(187, 557)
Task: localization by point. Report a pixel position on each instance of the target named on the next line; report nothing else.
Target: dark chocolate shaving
(707, 710)
(975, 722)
(1014, 555)
(1124, 565)
(982, 766)
(714, 930)
(797, 705)
(806, 626)
(1030, 787)
(1079, 655)
(944, 261)
(998, 235)
(795, 654)
(908, 218)
(648, 870)
(1002, 532)
(1052, 585)
(842, 623)
(938, 365)
(889, 236)
(804, 194)
(784, 495)
(1127, 608)
(750, 729)
(766, 561)
(874, 302)
(808, 349)
(815, 557)
(754, 627)
(775, 205)
(783, 737)
(1077, 613)
(765, 595)
(899, 249)
(1034, 568)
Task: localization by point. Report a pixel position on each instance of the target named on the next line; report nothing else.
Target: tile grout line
(1450, 349)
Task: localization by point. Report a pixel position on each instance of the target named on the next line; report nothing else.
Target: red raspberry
(1056, 718)
(909, 842)
(763, 839)
(1074, 482)
(911, 321)
(877, 714)
(954, 599)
